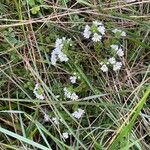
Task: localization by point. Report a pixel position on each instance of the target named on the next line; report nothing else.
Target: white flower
(74, 96)
(97, 30)
(38, 92)
(115, 30)
(112, 60)
(63, 57)
(87, 32)
(81, 111)
(36, 86)
(122, 33)
(59, 43)
(114, 47)
(46, 118)
(65, 135)
(77, 76)
(97, 23)
(104, 68)
(41, 97)
(78, 114)
(73, 79)
(96, 37)
(55, 120)
(68, 94)
(117, 66)
(101, 29)
(120, 52)
(57, 52)
(53, 58)
(65, 89)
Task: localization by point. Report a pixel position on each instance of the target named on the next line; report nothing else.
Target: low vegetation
(74, 75)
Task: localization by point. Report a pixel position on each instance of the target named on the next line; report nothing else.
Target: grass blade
(23, 139)
(129, 122)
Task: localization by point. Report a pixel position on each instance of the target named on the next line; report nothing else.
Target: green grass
(116, 104)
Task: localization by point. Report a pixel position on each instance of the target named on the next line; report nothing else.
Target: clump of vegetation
(74, 75)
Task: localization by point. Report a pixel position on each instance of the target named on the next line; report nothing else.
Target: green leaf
(31, 2)
(35, 10)
(129, 122)
(23, 139)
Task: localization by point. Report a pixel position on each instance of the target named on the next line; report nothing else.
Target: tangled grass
(75, 100)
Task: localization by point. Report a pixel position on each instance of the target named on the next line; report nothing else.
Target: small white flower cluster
(78, 114)
(38, 91)
(112, 60)
(58, 53)
(65, 135)
(97, 30)
(104, 68)
(46, 118)
(68, 94)
(55, 120)
(73, 79)
(116, 65)
(119, 32)
(118, 50)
